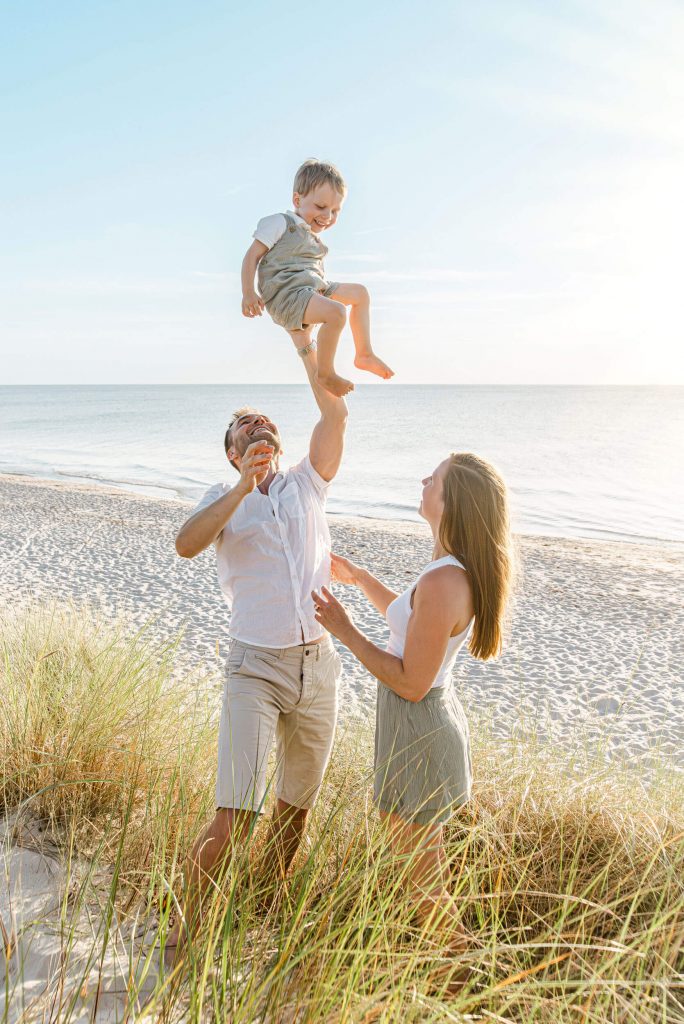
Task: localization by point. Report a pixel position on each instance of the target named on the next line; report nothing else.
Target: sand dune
(594, 655)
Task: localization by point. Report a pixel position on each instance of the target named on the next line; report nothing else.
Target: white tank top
(397, 617)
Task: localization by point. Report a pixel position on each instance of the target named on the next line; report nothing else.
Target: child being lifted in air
(288, 253)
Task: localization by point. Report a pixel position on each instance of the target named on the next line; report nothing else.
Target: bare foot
(171, 957)
(372, 364)
(173, 947)
(452, 980)
(337, 386)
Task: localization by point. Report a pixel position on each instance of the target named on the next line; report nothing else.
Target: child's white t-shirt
(271, 228)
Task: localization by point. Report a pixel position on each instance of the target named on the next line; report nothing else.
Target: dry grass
(567, 871)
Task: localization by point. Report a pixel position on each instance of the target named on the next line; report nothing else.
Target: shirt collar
(297, 217)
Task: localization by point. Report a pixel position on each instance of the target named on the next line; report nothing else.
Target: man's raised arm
(327, 440)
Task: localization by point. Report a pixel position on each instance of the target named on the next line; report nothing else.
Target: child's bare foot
(337, 386)
(372, 364)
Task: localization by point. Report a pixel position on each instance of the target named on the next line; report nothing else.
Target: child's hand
(252, 304)
(342, 570)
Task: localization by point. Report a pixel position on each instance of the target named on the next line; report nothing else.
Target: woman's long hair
(475, 528)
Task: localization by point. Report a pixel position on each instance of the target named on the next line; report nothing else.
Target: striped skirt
(423, 770)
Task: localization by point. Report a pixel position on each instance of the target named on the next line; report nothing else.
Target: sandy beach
(596, 637)
(594, 655)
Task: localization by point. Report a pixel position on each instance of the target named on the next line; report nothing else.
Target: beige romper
(291, 272)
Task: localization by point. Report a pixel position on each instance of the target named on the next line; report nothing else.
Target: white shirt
(270, 555)
(271, 228)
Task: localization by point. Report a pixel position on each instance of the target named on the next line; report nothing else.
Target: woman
(422, 751)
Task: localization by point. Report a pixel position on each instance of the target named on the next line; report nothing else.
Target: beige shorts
(287, 695)
(288, 306)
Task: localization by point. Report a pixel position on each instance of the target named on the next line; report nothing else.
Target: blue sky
(514, 170)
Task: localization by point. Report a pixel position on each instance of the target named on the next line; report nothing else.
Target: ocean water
(601, 462)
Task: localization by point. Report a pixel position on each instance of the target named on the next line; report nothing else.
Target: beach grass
(567, 869)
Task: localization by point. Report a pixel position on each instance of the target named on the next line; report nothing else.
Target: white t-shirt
(270, 555)
(271, 228)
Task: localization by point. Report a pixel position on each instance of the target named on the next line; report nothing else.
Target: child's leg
(356, 296)
(332, 318)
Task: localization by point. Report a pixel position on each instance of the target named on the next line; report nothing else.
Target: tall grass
(567, 871)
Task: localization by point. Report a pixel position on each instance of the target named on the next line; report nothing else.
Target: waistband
(317, 647)
(446, 692)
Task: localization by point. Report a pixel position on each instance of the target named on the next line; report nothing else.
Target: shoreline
(596, 638)
(408, 524)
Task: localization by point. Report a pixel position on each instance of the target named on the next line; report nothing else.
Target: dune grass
(567, 871)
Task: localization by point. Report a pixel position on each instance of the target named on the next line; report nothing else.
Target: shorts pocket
(264, 658)
(235, 659)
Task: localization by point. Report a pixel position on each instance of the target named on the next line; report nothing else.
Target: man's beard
(263, 434)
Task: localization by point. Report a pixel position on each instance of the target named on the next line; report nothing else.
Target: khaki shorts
(288, 305)
(284, 694)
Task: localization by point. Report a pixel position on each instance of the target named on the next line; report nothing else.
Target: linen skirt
(423, 768)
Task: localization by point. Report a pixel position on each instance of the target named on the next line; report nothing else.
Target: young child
(288, 253)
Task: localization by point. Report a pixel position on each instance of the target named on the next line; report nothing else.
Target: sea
(596, 462)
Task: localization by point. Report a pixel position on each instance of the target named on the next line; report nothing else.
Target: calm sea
(580, 461)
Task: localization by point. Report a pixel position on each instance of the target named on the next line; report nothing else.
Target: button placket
(307, 673)
(295, 582)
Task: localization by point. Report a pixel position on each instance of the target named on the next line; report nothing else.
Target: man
(272, 549)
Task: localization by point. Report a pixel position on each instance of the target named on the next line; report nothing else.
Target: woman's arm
(442, 602)
(347, 572)
(252, 303)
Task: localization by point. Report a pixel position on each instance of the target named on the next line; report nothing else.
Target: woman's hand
(343, 571)
(332, 615)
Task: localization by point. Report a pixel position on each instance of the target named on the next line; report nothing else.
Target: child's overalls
(291, 272)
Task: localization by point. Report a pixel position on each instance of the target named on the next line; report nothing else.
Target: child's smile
(319, 208)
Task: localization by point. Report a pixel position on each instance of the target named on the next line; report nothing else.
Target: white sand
(596, 650)
(53, 928)
(596, 636)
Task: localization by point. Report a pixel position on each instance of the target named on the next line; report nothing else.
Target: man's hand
(255, 465)
(252, 304)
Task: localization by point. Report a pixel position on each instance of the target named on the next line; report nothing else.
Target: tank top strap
(439, 562)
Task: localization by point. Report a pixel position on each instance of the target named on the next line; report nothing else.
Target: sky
(515, 180)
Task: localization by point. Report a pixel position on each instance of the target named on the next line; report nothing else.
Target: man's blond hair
(313, 173)
(228, 441)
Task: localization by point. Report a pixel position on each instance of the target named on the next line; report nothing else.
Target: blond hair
(475, 528)
(227, 440)
(313, 173)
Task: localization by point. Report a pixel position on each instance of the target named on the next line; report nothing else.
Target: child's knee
(361, 295)
(336, 314)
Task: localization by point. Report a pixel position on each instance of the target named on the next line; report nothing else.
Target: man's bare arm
(327, 439)
(202, 528)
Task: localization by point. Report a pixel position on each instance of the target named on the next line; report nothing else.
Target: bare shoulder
(446, 588)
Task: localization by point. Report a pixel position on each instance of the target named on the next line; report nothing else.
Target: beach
(595, 643)
(592, 663)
